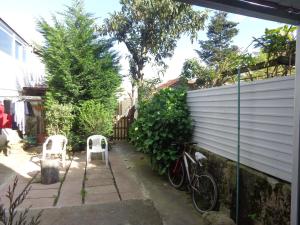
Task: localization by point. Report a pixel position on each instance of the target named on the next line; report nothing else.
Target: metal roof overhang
(284, 11)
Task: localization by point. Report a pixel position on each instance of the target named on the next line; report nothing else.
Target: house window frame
(11, 35)
(18, 50)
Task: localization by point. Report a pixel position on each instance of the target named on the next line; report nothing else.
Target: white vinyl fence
(267, 111)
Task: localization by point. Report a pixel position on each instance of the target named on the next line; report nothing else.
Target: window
(24, 54)
(18, 50)
(5, 42)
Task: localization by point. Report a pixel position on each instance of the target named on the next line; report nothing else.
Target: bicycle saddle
(199, 156)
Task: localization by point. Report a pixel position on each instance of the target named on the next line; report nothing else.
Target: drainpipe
(238, 151)
(295, 200)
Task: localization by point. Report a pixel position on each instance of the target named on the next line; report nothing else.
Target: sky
(22, 16)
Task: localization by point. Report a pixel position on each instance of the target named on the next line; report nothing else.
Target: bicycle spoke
(204, 193)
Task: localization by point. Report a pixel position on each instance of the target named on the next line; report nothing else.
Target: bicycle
(201, 183)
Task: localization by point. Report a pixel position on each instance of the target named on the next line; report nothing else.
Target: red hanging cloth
(5, 119)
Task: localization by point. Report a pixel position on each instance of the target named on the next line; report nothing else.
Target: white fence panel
(267, 111)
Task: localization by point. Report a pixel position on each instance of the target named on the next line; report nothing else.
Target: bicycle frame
(187, 157)
(199, 182)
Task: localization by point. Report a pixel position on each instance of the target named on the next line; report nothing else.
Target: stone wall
(264, 200)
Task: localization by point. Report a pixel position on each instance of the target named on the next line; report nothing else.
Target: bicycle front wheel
(204, 192)
(176, 173)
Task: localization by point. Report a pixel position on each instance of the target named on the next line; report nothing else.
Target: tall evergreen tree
(217, 52)
(220, 34)
(79, 63)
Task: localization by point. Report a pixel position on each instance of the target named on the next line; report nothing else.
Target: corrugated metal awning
(284, 11)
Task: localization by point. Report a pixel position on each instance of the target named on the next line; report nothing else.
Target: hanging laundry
(1, 115)
(7, 104)
(8, 121)
(5, 119)
(19, 115)
(12, 111)
(28, 109)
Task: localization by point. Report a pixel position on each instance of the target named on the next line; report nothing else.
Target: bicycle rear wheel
(176, 173)
(204, 192)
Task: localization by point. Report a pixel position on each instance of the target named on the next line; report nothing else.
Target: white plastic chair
(58, 146)
(97, 147)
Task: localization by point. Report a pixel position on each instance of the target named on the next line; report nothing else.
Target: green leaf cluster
(276, 43)
(150, 30)
(79, 63)
(164, 119)
(95, 118)
(59, 118)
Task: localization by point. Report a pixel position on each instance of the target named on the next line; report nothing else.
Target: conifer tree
(220, 34)
(79, 63)
(217, 53)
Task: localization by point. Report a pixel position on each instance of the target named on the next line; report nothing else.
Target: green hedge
(59, 118)
(95, 118)
(162, 120)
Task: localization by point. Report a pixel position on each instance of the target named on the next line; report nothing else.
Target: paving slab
(39, 186)
(101, 189)
(125, 181)
(125, 185)
(132, 212)
(102, 175)
(101, 198)
(42, 193)
(131, 195)
(100, 170)
(37, 203)
(71, 189)
(70, 193)
(99, 182)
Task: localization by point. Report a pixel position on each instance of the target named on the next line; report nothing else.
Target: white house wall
(18, 73)
(267, 109)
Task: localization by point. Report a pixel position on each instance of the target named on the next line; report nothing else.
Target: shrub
(95, 118)
(162, 120)
(59, 118)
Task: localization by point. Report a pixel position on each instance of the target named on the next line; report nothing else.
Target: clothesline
(24, 97)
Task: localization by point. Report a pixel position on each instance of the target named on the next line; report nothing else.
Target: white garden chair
(58, 147)
(97, 147)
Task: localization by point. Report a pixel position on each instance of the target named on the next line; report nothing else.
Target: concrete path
(175, 206)
(94, 184)
(70, 193)
(117, 195)
(129, 212)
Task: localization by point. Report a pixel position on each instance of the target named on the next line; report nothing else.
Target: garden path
(79, 184)
(128, 192)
